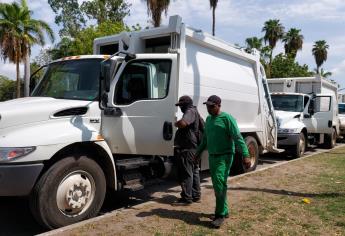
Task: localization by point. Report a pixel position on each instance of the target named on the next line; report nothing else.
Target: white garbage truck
(102, 122)
(306, 109)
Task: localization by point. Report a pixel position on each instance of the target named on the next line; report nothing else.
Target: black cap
(213, 100)
(184, 100)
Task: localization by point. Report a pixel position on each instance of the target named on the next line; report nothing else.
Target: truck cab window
(323, 104)
(143, 80)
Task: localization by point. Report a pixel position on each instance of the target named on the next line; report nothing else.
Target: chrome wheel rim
(301, 145)
(75, 193)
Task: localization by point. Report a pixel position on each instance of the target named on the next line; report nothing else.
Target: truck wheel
(299, 149)
(330, 139)
(253, 148)
(71, 190)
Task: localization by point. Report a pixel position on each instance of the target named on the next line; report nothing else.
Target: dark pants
(188, 174)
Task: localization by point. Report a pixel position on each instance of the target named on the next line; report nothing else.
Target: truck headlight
(8, 154)
(288, 131)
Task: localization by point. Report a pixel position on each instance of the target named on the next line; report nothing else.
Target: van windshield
(288, 102)
(70, 79)
(342, 108)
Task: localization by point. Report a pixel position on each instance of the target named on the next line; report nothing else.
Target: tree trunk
(27, 75)
(18, 79)
(213, 20)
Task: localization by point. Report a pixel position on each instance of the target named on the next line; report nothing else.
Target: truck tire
(253, 148)
(71, 190)
(330, 139)
(299, 149)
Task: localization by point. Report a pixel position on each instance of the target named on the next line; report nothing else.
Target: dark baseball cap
(213, 100)
(184, 100)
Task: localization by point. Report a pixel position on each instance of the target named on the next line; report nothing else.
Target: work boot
(218, 222)
(182, 201)
(197, 200)
(213, 217)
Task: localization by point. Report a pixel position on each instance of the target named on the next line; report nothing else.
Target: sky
(237, 20)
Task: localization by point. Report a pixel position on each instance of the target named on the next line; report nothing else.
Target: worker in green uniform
(221, 135)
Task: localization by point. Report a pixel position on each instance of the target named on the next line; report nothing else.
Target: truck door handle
(329, 123)
(167, 130)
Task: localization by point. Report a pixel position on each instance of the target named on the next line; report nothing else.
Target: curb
(115, 212)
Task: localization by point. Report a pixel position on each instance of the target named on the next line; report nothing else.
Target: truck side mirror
(32, 85)
(105, 76)
(311, 108)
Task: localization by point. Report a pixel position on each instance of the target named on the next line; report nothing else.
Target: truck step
(130, 164)
(133, 186)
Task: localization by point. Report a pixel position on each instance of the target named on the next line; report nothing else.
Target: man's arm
(239, 141)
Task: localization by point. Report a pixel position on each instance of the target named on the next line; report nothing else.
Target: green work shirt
(221, 135)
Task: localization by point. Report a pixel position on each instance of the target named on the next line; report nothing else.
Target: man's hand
(246, 162)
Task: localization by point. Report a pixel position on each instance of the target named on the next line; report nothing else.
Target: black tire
(79, 178)
(253, 148)
(299, 150)
(331, 139)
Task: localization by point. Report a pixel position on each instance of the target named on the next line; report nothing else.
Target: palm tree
(320, 53)
(253, 42)
(274, 31)
(293, 42)
(323, 73)
(213, 6)
(155, 9)
(18, 32)
(33, 34)
(11, 37)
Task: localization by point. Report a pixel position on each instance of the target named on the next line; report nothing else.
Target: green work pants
(220, 169)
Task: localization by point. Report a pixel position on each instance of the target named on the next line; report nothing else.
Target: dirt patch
(264, 203)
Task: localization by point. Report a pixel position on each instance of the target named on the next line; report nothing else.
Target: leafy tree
(213, 6)
(274, 31)
(83, 42)
(106, 10)
(293, 42)
(284, 66)
(7, 88)
(155, 8)
(253, 43)
(320, 53)
(68, 15)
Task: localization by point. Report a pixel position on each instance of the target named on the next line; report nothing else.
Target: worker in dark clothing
(185, 148)
(221, 135)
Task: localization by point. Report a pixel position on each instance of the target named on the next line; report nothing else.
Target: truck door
(144, 94)
(323, 115)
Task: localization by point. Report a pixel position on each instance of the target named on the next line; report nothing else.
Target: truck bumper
(287, 139)
(18, 180)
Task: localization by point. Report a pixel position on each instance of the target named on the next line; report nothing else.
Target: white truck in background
(80, 133)
(306, 109)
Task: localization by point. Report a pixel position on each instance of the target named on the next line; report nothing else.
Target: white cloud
(9, 70)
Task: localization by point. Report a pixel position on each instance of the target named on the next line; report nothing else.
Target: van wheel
(253, 148)
(71, 190)
(299, 149)
(330, 139)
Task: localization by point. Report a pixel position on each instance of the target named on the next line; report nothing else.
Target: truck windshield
(341, 108)
(288, 102)
(71, 79)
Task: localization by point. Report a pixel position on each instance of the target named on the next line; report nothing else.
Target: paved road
(15, 217)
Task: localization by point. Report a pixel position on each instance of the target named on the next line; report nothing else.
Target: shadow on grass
(190, 218)
(288, 193)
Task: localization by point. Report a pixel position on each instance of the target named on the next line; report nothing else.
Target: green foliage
(106, 10)
(71, 16)
(68, 15)
(284, 66)
(83, 42)
(320, 51)
(7, 88)
(293, 42)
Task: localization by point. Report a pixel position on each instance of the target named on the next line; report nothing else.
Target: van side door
(144, 90)
(323, 114)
